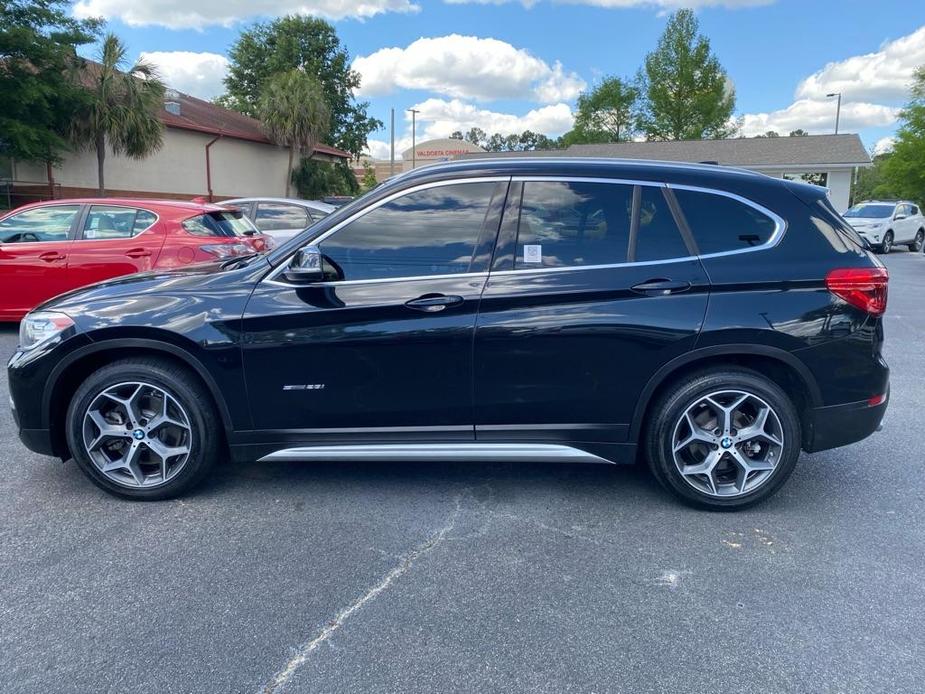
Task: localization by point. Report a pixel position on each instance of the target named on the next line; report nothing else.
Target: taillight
(863, 288)
(226, 250)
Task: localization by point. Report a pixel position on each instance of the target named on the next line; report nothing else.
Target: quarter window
(720, 223)
(429, 232)
(105, 222)
(51, 223)
(272, 216)
(567, 224)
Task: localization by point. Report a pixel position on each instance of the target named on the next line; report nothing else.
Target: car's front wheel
(916, 245)
(723, 439)
(143, 429)
(886, 245)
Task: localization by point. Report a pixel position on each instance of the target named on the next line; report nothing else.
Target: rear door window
(40, 224)
(657, 236)
(720, 223)
(573, 223)
(110, 222)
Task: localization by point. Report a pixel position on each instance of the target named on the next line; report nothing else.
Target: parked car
(713, 321)
(281, 218)
(48, 248)
(884, 224)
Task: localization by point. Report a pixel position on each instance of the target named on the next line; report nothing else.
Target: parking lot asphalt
(297, 577)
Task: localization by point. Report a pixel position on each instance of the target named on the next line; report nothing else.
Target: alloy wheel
(137, 434)
(887, 244)
(919, 241)
(727, 443)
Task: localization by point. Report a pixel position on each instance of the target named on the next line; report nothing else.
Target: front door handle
(138, 253)
(431, 303)
(51, 256)
(660, 287)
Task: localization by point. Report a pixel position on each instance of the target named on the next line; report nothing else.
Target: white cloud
(819, 117)
(196, 14)
(439, 117)
(466, 67)
(884, 144)
(884, 75)
(198, 74)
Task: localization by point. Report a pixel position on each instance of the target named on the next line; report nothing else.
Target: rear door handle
(660, 287)
(51, 256)
(431, 303)
(138, 253)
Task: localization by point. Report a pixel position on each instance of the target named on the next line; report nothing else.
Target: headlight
(40, 327)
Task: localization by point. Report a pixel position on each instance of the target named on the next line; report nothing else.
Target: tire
(886, 245)
(729, 485)
(919, 242)
(167, 445)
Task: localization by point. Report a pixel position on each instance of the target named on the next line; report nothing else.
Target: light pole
(838, 109)
(414, 114)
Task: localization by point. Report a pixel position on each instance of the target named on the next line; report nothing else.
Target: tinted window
(274, 216)
(913, 210)
(565, 224)
(104, 222)
(658, 237)
(721, 223)
(52, 223)
(430, 232)
(231, 223)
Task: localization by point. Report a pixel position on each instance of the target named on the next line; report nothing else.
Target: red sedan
(49, 248)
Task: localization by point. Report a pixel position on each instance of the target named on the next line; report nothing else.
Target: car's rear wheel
(143, 429)
(723, 439)
(916, 245)
(886, 245)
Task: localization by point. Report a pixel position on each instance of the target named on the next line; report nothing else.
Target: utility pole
(837, 110)
(414, 114)
(392, 157)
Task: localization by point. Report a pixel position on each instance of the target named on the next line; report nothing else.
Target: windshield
(869, 211)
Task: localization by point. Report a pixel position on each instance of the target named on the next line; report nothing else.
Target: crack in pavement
(283, 676)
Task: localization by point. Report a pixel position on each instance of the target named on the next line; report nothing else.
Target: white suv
(884, 224)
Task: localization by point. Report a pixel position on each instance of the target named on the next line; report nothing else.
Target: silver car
(281, 218)
(887, 223)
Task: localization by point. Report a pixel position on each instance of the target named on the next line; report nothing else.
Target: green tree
(799, 132)
(294, 114)
(39, 91)
(456, 135)
(871, 182)
(286, 43)
(477, 136)
(687, 93)
(904, 170)
(607, 113)
(369, 177)
(122, 108)
(770, 133)
(315, 179)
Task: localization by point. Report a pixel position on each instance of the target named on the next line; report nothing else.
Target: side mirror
(305, 266)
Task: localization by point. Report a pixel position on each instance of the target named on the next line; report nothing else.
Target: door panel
(383, 347)
(588, 308)
(34, 247)
(114, 241)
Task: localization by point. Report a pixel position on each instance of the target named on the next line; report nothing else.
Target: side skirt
(440, 452)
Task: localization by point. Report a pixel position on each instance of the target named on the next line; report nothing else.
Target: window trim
(270, 278)
(79, 233)
(72, 232)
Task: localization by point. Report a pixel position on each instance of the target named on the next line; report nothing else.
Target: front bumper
(840, 425)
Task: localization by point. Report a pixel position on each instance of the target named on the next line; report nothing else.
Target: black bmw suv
(713, 322)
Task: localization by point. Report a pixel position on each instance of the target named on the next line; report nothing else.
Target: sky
(513, 65)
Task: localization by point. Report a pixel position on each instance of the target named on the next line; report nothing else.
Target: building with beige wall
(208, 151)
(423, 153)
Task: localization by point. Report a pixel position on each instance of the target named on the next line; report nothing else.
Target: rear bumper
(840, 425)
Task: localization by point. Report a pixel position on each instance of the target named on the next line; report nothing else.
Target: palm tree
(294, 113)
(122, 108)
